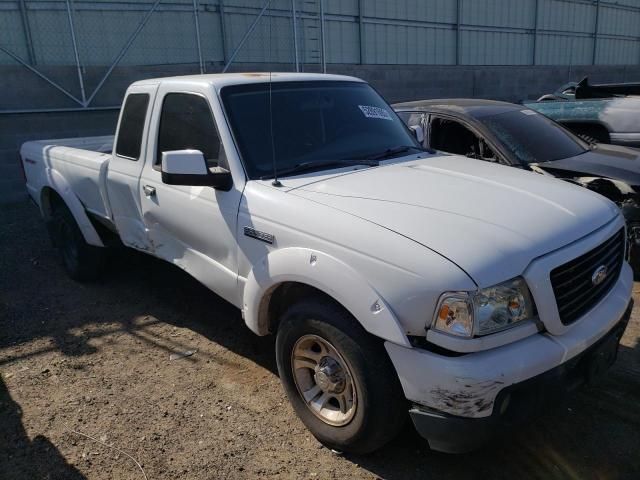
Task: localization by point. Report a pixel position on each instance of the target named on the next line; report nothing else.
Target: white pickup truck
(396, 280)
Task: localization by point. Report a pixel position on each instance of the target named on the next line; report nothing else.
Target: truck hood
(490, 220)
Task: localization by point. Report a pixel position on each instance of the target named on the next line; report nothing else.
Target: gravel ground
(94, 360)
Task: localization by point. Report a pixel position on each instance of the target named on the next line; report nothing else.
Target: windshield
(319, 121)
(532, 137)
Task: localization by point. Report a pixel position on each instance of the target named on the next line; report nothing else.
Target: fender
(57, 182)
(327, 274)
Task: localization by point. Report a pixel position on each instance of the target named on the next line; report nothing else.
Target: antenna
(276, 182)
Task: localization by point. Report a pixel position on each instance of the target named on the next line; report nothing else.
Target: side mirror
(188, 167)
(418, 132)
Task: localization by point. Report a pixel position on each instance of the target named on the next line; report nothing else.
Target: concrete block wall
(21, 89)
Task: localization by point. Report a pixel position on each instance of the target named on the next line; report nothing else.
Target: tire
(378, 409)
(81, 261)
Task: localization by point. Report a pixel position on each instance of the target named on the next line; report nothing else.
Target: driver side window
(186, 122)
(451, 136)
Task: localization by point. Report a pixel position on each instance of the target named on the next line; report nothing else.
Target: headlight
(485, 311)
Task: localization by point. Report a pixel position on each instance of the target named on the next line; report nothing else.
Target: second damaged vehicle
(517, 136)
(605, 113)
(395, 280)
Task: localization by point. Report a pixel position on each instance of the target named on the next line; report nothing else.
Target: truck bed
(82, 162)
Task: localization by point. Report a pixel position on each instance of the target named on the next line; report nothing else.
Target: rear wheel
(81, 261)
(338, 377)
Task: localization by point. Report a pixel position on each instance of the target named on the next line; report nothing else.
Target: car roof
(474, 107)
(219, 80)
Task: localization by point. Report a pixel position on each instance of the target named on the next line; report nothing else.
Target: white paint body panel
(76, 169)
(385, 242)
(79, 160)
(489, 219)
(123, 185)
(329, 275)
(194, 227)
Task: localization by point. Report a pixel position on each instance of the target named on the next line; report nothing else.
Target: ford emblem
(599, 275)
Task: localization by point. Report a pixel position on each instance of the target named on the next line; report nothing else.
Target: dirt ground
(95, 360)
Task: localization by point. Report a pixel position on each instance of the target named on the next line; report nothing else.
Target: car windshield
(314, 123)
(532, 137)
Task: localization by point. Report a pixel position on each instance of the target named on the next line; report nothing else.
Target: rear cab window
(134, 113)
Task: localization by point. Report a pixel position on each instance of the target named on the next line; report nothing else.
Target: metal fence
(307, 34)
(209, 33)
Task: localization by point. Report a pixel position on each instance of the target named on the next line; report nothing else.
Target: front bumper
(519, 401)
(468, 386)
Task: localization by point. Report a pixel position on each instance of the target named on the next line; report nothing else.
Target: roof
(219, 80)
(474, 107)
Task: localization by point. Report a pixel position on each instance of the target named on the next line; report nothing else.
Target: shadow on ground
(23, 458)
(134, 286)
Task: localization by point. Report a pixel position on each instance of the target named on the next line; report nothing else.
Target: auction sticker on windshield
(375, 112)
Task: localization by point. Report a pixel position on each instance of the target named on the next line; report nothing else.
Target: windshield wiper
(392, 152)
(320, 165)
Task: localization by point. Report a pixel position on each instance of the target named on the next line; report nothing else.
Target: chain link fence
(87, 51)
(78, 46)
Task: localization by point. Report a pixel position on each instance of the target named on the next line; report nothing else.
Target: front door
(192, 227)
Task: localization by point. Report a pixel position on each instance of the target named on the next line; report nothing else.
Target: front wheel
(338, 378)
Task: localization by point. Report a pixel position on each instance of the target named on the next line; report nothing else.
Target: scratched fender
(327, 274)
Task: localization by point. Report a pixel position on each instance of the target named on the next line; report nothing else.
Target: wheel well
(594, 130)
(281, 296)
(50, 200)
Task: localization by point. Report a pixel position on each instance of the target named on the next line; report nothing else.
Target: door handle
(149, 191)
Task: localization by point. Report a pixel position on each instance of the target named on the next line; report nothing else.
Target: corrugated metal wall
(446, 32)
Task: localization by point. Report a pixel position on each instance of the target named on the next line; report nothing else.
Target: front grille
(572, 282)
